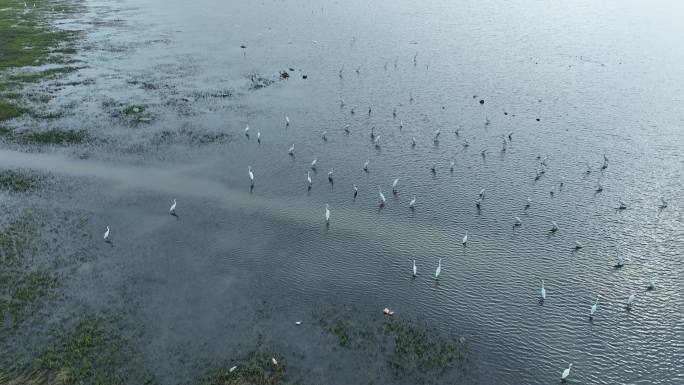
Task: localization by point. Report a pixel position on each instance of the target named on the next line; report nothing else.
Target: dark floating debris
(538, 119)
(243, 46)
(292, 69)
(481, 101)
(304, 76)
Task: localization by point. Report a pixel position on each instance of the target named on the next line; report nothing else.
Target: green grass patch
(27, 39)
(20, 180)
(10, 110)
(95, 351)
(54, 136)
(256, 368)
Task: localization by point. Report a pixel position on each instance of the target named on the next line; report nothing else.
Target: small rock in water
(387, 311)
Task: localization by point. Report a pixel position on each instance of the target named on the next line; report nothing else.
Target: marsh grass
(20, 180)
(26, 40)
(410, 348)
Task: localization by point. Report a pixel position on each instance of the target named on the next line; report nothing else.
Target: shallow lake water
(569, 81)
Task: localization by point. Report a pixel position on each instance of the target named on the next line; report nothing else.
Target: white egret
(324, 135)
(106, 234)
(356, 191)
(287, 121)
(482, 193)
(439, 269)
(554, 226)
(465, 238)
(593, 307)
(394, 185)
(327, 213)
(412, 203)
(247, 131)
(365, 165)
(415, 269)
(543, 291)
(451, 165)
(330, 175)
(631, 299)
(291, 150)
(401, 124)
(377, 141)
(313, 162)
(518, 221)
(258, 136)
(578, 245)
(622, 205)
(251, 175)
(172, 210)
(651, 284)
(382, 196)
(529, 203)
(308, 178)
(566, 373)
(413, 141)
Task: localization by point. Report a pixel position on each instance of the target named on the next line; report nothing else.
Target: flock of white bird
(382, 200)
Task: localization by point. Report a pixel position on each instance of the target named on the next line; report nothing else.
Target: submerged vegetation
(28, 41)
(256, 368)
(410, 348)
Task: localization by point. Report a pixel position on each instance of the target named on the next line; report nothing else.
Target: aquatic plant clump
(256, 368)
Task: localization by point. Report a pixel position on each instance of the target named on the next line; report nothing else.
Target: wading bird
(439, 269)
(593, 308)
(327, 213)
(566, 373)
(172, 210)
(631, 299)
